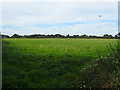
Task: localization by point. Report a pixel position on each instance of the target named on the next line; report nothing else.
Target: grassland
(41, 63)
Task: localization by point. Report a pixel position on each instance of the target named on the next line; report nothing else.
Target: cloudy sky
(91, 18)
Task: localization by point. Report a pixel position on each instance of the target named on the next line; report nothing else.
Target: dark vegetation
(106, 36)
(103, 73)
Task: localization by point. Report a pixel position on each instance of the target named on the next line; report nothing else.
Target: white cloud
(26, 15)
(92, 29)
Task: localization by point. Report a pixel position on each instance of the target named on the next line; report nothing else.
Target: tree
(15, 36)
(5, 36)
(107, 36)
(75, 36)
(57, 35)
(67, 36)
(118, 34)
(84, 36)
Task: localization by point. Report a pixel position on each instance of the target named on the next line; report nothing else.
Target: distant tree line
(106, 36)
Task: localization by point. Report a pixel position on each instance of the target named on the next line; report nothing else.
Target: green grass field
(49, 62)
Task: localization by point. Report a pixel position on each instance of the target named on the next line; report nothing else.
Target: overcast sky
(91, 18)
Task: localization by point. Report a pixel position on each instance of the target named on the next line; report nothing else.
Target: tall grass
(56, 63)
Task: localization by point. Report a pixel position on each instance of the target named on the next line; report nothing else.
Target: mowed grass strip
(49, 62)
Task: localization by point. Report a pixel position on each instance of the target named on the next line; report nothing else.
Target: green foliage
(54, 63)
(106, 36)
(103, 73)
(15, 36)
